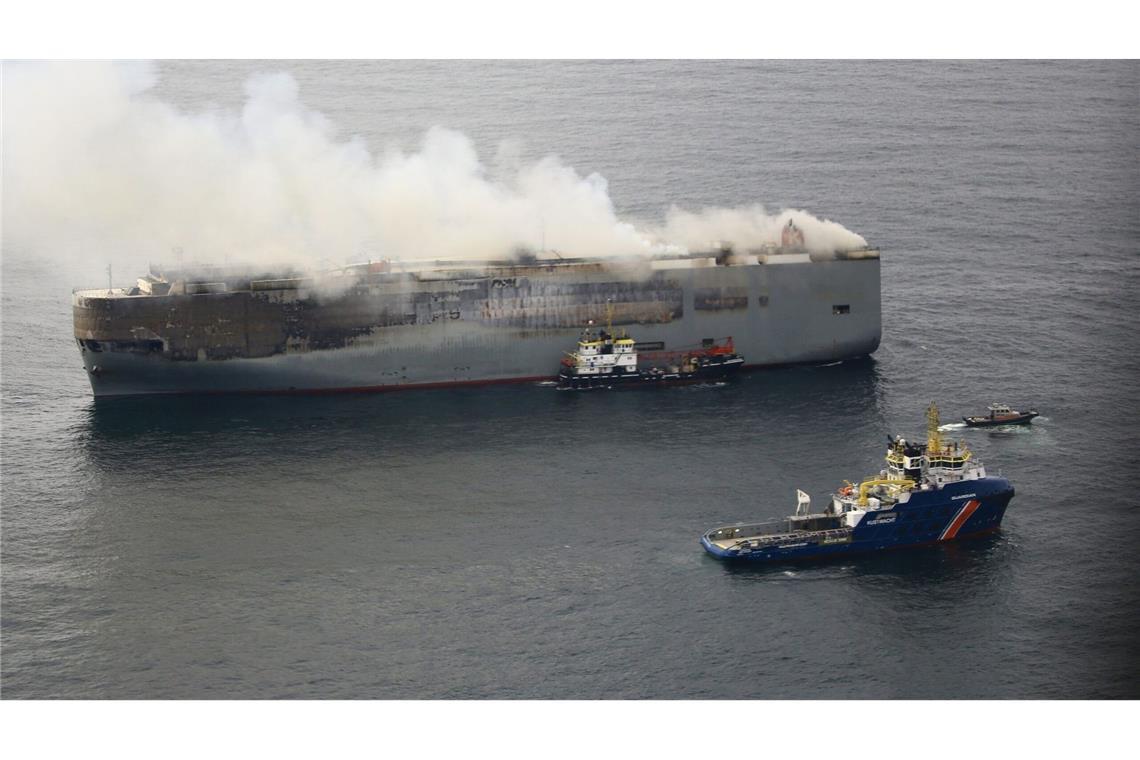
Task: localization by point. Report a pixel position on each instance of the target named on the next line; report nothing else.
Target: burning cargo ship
(388, 325)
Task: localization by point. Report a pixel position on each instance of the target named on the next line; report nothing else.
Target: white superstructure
(602, 354)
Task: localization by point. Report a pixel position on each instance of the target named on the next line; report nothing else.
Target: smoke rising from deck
(95, 165)
(753, 227)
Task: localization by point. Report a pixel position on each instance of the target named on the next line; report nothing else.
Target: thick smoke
(753, 227)
(95, 165)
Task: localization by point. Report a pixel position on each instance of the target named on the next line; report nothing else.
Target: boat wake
(694, 387)
(1008, 430)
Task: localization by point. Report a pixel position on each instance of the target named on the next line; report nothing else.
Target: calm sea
(522, 543)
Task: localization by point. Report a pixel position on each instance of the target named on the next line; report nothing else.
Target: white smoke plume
(753, 227)
(94, 163)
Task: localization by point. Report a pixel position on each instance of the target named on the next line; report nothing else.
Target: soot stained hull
(470, 326)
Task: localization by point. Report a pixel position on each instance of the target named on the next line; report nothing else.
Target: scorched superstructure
(396, 325)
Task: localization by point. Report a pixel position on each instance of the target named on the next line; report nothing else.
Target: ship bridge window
(841, 308)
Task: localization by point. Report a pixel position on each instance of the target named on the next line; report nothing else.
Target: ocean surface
(517, 542)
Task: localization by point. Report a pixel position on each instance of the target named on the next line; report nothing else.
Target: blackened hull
(929, 518)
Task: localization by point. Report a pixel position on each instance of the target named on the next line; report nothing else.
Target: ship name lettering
(963, 496)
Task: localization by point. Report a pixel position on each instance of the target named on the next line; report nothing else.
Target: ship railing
(720, 346)
(954, 460)
(898, 460)
(774, 527)
(776, 538)
(794, 536)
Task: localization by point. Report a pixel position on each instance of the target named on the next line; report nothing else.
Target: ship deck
(732, 541)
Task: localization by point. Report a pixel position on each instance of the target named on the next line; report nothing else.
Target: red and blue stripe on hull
(958, 510)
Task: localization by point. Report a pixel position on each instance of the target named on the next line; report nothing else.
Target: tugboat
(1001, 414)
(928, 493)
(603, 361)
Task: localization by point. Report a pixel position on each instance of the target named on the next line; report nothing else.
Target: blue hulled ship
(928, 492)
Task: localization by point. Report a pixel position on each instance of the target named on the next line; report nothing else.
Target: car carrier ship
(380, 326)
(928, 493)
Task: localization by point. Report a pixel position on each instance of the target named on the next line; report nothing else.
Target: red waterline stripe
(960, 519)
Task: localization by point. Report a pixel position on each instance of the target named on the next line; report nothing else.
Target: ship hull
(474, 329)
(1021, 419)
(717, 369)
(960, 510)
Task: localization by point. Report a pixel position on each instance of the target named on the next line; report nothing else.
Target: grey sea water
(517, 542)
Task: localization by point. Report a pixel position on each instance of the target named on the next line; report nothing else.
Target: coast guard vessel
(928, 493)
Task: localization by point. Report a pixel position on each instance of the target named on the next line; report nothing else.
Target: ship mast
(933, 437)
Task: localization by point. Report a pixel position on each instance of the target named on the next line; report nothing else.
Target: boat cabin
(602, 354)
(911, 466)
